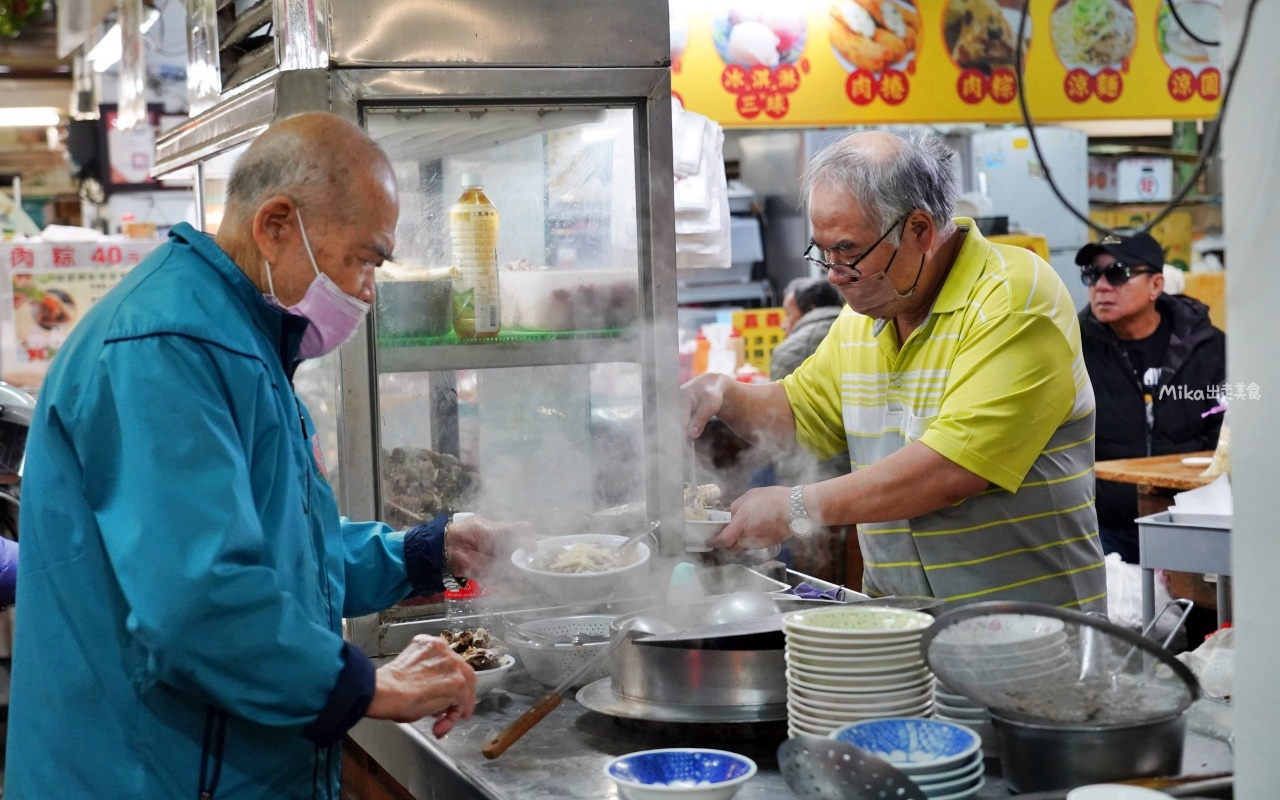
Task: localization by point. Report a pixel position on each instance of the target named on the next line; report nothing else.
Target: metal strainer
(1043, 664)
(825, 769)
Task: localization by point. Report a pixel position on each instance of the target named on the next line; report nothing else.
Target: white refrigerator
(1003, 164)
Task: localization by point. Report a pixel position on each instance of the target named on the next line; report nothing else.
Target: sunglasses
(1116, 274)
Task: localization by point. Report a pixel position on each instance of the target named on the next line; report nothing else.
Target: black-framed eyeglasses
(849, 271)
(1116, 274)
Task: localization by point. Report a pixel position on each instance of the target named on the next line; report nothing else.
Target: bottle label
(474, 232)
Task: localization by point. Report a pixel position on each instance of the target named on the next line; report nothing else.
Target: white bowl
(853, 712)
(680, 763)
(891, 661)
(880, 682)
(1002, 633)
(889, 689)
(1114, 791)
(966, 772)
(962, 715)
(858, 622)
(961, 795)
(581, 586)
(825, 708)
(697, 531)
(489, 679)
(915, 746)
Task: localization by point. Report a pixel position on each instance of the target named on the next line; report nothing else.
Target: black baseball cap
(1140, 248)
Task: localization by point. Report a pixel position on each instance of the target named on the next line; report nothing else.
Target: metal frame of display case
(513, 52)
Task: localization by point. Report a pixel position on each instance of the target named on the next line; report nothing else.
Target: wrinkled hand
(759, 520)
(701, 399)
(477, 546)
(427, 679)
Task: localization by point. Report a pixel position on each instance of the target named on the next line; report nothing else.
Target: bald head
(316, 159)
(889, 176)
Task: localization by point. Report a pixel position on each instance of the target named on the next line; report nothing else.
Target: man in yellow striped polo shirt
(954, 380)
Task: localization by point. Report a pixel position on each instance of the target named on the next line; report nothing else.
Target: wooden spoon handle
(545, 705)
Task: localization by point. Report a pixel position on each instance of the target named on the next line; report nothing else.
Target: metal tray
(599, 697)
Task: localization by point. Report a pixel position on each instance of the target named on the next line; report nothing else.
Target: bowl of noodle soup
(582, 567)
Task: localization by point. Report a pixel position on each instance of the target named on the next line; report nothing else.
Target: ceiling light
(32, 117)
(107, 52)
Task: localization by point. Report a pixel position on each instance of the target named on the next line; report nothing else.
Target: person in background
(1148, 354)
(957, 385)
(811, 304)
(8, 571)
(185, 572)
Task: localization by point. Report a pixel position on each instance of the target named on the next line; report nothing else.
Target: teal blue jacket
(184, 569)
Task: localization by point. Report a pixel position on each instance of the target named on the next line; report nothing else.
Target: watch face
(801, 526)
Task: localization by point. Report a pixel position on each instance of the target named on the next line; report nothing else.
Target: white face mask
(334, 315)
(877, 291)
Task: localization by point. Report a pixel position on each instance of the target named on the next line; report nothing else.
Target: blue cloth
(184, 569)
(8, 571)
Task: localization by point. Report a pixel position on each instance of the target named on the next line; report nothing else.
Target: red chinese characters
(22, 257)
(972, 86)
(1210, 84)
(860, 87)
(1182, 84)
(64, 256)
(1004, 86)
(761, 89)
(1078, 85)
(1108, 85)
(894, 87)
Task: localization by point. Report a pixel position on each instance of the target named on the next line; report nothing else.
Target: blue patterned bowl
(913, 745)
(680, 772)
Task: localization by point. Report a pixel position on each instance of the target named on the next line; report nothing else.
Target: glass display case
(571, 407)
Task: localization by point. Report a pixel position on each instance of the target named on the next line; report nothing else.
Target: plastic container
(701, 354)
(414, 308)
(473, 226)
(550, 299)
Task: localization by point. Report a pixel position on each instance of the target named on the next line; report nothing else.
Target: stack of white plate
(951, 706)
(851, 663)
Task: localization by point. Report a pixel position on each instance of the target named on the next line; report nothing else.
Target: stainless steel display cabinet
(564, 107)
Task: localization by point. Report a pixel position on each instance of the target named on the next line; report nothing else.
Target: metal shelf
(574, 348)
(759, 291)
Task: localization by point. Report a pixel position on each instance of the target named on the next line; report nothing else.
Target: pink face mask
(877, 291)
(333, 314)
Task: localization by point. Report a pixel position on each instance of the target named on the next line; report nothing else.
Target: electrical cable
(1174, 11)
(1209, 147)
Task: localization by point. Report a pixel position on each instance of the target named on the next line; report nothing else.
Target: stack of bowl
(1003, 652)
(852, 663)
(942, 758)
(951, 706)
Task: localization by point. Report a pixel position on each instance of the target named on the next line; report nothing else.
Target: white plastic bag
(1124, 597)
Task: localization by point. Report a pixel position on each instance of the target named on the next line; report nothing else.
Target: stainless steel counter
(564, 755)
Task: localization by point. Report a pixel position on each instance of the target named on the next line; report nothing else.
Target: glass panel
(217, 171)
(547, 444)
(564, 185)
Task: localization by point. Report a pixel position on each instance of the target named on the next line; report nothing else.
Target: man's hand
(426, 679)
(477, 545)
(701, 398)
(759, 520)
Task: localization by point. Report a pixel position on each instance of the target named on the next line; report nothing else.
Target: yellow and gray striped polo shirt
(994, 381)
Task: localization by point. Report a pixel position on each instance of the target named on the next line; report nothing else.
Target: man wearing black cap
(1155, 361)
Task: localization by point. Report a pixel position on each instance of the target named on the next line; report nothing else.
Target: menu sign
(51, 286)
(841, 62)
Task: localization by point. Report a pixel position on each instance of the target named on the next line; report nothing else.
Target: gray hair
(285, 162)
(888, 186)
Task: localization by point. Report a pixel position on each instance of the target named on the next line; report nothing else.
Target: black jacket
(1195, 361)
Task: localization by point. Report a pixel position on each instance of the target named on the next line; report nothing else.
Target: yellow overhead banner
(785, 63)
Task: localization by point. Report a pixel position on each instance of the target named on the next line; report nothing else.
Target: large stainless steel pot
(738, 671)
(1039, 757)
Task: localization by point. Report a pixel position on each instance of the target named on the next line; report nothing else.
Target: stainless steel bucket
(1038, 757)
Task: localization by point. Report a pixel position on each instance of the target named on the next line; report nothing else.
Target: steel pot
(738, 671)
(1039, 757)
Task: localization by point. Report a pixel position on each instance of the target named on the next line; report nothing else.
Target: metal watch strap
(797, 511)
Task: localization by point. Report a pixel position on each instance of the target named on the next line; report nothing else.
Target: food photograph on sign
(1178, 47)
(1093, 35)
(874, 35)
(980, 34)
(753, 33)
(43, 315)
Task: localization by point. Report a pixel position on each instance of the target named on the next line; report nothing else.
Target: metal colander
(551, 664)
(1047, 665)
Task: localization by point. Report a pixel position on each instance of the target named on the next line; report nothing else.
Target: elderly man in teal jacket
(184, 568)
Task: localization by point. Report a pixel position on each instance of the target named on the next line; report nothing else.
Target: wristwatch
(799, 522)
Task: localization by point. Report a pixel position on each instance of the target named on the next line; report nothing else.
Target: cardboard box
(1173, 233)
(1130, 179)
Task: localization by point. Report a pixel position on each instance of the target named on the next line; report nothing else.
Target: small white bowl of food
(701, 525)
(582, 567)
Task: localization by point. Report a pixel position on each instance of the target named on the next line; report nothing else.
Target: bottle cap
(472, 180)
